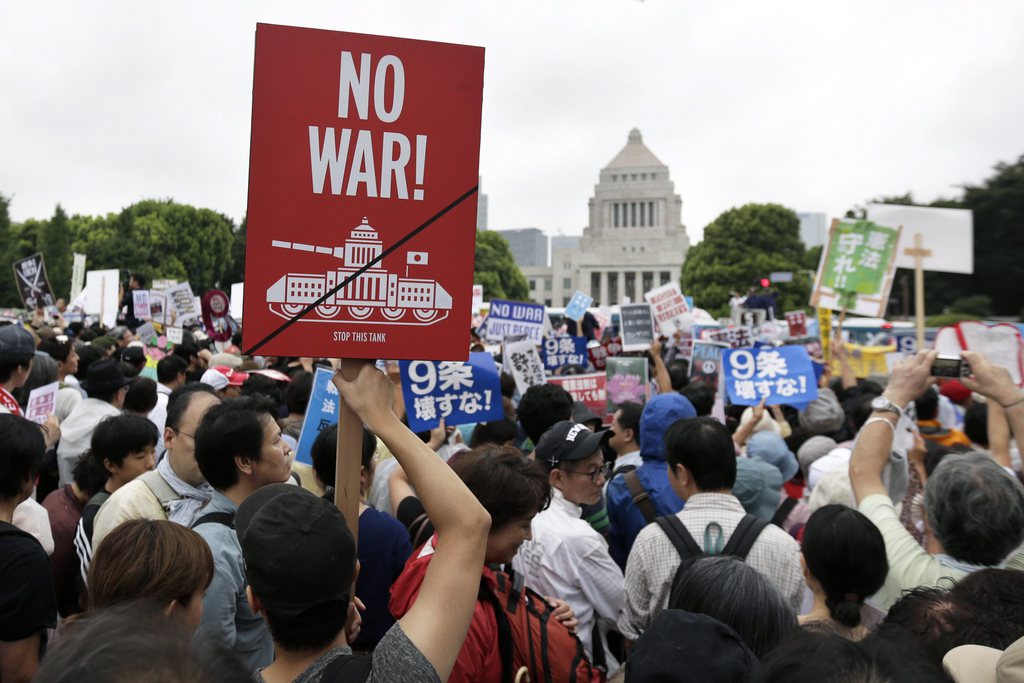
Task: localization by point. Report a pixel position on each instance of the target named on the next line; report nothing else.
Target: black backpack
(739, 545)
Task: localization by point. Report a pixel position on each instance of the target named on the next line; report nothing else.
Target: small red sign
(362, 195)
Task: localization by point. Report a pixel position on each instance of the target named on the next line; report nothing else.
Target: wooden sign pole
(919, 253)
(349, 456)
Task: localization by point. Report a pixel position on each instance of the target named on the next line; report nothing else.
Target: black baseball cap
(299, 554)
(568, 441)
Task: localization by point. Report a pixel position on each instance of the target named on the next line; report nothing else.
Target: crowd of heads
(727, 542)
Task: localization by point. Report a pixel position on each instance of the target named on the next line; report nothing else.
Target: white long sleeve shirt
(568, 560)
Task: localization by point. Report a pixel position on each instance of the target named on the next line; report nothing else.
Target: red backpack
(534, 646)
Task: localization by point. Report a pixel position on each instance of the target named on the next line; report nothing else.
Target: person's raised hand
(757, 412)
(51, 430)
(910, 378)
(437, 436)
(656, 348)
(370, 393)
(990, 380)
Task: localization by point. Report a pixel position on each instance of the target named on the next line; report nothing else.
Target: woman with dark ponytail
(844, 562)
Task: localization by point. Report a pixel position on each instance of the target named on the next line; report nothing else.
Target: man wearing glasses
(176, 490)
(566, 558)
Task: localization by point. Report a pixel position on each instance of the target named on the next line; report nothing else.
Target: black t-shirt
(28, 604)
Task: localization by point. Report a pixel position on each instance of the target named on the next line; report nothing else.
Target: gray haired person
(975, 509)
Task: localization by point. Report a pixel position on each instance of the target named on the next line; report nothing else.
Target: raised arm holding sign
(364, 158)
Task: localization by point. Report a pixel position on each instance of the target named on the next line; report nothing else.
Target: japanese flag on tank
(362, 195)
(783, 374)
(459, 392)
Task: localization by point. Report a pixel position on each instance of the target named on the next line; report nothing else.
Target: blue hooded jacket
(624, 516)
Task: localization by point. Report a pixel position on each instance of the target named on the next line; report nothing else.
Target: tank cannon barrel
(336, 252)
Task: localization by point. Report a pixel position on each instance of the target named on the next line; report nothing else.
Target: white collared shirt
(568, 560)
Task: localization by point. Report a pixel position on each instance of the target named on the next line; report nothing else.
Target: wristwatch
(881, 404)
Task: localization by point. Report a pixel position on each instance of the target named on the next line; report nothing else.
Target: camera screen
(946, 367)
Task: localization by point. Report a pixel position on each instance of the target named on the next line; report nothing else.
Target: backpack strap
(347, 668)
(621, 469)
(225, 518)
(743, 538)
(640, 497)
(783, 512)
(485, 594)
(160, 488)
(680, 536)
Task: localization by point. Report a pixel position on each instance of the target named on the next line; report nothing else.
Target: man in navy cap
(106, 385)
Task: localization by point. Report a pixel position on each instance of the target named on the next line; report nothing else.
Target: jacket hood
(659, 413)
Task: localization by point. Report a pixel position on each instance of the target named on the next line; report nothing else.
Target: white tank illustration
(376, 296)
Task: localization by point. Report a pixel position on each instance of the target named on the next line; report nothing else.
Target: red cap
(235, 378)
(955, 391)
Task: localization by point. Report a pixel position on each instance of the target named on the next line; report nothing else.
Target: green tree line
(166, 239)
(746, 243)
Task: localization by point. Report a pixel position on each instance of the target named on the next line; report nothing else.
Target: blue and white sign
(783, 374)
(461, 393)
(511, 318)
(906, 343)
(322, 412)
(578, 305)
(563, 350)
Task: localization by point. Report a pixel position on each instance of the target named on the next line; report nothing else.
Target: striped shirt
(653, 561)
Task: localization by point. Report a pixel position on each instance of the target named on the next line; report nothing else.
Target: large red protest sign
(362, 195)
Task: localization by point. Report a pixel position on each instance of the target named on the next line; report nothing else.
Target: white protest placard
(158, 306)
(163, 284)
(668, 306)
(174, 335)
(140, 303)
(947, 233)
(146, 334)
(1000, 343)
(526, 365)
(237, 296)
(77, 275)
(101, 287)
(511, 318)
(478, 299)
(42, 402)
(183, 302)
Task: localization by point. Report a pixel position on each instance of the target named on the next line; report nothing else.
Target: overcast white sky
(802, 103)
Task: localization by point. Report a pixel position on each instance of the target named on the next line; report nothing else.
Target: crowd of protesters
(156, 526)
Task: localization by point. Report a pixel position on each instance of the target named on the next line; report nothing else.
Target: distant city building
(481, 207)
(565, 242)
(635, 239)
(813, 228)
(529, 246)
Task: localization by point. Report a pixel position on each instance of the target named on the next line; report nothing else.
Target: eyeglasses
(191, 436)
(602, 471)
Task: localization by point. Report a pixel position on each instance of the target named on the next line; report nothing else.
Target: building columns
(603, 301)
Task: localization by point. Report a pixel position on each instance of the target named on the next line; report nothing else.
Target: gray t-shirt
(395, 660)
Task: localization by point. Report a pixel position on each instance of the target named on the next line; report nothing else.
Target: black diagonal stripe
(298, 316)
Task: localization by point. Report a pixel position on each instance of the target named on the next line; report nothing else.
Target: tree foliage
(496, 270)
(158, 238)
(739, 248)
(54, 242)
